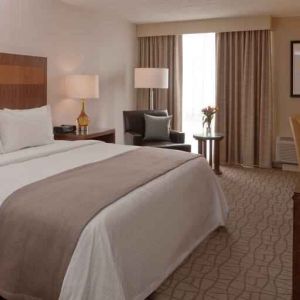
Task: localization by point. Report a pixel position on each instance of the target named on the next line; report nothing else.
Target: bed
(132, 245)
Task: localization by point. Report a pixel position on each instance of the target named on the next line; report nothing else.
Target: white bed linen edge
(40, 151)
(130, 247)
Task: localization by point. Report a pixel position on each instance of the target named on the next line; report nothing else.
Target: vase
(208, 129)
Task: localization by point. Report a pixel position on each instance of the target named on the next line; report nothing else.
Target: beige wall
(284, 31)
(75, 41)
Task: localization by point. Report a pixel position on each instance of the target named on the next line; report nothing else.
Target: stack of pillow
(25, 128)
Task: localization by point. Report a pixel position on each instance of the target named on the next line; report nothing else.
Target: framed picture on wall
(295, 69)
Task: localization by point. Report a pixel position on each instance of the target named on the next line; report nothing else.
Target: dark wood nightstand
(104, 135)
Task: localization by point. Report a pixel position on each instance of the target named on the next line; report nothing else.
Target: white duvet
(130, 247)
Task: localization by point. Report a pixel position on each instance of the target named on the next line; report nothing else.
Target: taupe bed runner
(41, 223)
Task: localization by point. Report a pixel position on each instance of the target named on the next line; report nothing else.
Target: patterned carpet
(252, 257)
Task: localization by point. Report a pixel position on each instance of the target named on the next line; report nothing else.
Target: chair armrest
(177, 137)
(132, 138)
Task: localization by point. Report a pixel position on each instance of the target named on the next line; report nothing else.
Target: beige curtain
(244, 97)
(163, 52)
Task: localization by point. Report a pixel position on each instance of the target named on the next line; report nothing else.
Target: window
(198, 81)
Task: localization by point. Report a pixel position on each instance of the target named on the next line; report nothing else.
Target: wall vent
(286, 150)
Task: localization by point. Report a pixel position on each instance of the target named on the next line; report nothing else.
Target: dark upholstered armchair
(134, 126)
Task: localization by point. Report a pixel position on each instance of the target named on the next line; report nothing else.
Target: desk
(296, 244)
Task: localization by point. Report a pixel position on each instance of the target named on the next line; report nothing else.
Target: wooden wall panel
(23, 81)
(10, 74)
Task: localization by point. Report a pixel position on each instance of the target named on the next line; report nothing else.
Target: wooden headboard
(23, 81)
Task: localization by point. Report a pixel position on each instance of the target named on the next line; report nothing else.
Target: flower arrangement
(208, 115)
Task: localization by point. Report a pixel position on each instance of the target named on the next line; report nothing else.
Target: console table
(213, 140)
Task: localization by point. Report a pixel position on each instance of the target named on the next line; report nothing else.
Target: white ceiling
(144, 11)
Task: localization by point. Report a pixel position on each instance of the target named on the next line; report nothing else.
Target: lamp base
(83, 119)
(151, 99)
(83, 129)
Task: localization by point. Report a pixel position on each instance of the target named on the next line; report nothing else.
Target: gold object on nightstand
(82, 87)
(83, 119)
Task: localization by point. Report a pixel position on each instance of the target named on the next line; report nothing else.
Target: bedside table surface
(90, 135)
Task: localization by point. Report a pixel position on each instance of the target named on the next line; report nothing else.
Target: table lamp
(82, 87)
(151, 78)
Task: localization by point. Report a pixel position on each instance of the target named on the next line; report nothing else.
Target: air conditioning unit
(286, 150)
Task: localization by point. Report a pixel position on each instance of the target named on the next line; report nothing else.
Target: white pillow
(25, 128)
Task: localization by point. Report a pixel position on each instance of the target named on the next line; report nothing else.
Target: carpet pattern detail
(252, 257)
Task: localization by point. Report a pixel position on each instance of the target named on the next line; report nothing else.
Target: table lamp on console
(82, 87)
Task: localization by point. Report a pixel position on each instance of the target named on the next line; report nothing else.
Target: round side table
(213, 140)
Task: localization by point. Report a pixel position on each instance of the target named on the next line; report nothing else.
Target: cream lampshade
(151, 78)
(82, 87)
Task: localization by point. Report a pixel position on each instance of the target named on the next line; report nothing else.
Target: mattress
(130, 247)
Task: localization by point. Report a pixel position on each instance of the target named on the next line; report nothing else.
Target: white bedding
(130, 247)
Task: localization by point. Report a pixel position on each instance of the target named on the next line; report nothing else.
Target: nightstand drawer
(105, 135)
